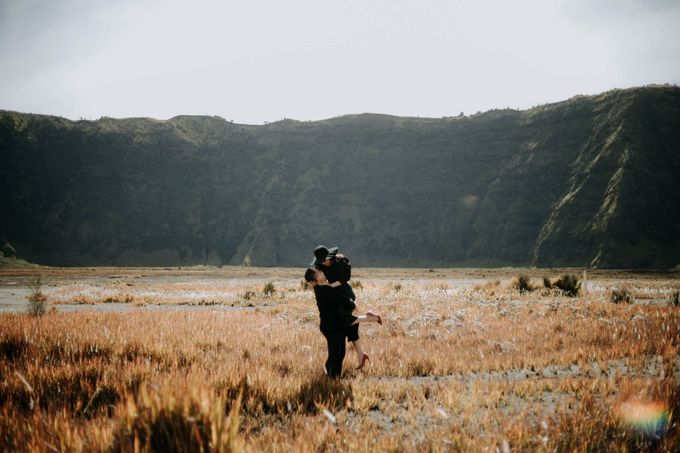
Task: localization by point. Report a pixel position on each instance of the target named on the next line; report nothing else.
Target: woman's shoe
(364, 359)
(370, 313)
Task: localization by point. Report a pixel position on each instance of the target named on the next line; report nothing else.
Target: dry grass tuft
(191, 422)
(37, 301)
(269, 289)
(621, 296)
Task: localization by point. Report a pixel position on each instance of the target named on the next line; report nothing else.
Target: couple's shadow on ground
(322, 391)
(319, 392)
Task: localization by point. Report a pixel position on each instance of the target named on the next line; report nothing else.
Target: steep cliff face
(621, 205)
(592, 181)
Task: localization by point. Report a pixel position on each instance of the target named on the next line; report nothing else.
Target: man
(337, 321)
(333, 307)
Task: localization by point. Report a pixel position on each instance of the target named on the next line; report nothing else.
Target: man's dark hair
(310, 274)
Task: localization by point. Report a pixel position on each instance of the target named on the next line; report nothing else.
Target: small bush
(396, 287)
(269, 289)
(522, 284)
(248, 295)
(569, 284)
(356, 284)
(37, 301)
(675, 299)
(621, 296)
(547, 283)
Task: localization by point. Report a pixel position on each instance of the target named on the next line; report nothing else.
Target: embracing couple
(329, 276)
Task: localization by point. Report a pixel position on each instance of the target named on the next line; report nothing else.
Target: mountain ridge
(588, 181)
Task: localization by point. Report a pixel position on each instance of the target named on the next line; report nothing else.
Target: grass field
(201, 359)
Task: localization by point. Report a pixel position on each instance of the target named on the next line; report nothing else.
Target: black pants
(336, 353)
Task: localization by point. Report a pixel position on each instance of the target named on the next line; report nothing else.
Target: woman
(337, 321)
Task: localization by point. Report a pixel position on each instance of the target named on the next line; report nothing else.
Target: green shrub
(621, 295)
(569, 284)
(37, 301)
(522, 284)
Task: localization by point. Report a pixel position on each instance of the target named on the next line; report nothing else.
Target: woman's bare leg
(366, 318)
(361, 355)
(358, 349)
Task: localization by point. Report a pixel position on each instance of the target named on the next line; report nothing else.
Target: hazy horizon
(256, 62)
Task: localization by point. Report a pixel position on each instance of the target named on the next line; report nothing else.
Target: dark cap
(322, 253)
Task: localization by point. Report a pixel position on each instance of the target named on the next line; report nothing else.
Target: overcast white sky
(255, 61)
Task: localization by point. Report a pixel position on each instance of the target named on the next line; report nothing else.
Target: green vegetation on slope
(586, 182)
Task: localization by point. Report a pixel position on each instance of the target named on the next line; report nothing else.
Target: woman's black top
(340, 271)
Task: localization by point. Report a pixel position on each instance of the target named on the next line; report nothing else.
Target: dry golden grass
(454, 367)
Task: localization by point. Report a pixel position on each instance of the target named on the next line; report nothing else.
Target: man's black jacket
(334, 309)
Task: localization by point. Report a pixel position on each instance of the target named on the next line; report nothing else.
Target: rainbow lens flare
(650, 418)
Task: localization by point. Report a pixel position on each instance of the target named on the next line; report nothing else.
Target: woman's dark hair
(310, 274)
